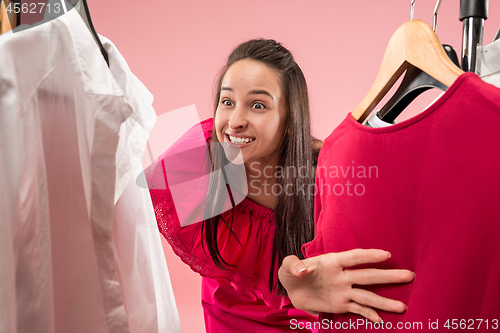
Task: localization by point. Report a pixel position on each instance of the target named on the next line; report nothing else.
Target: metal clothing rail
(472, 14)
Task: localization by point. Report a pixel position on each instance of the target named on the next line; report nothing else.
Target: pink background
(177, 47)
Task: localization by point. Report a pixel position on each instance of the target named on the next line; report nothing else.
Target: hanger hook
(434, 21)
(412, 9)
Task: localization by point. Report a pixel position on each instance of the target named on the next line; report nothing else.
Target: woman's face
(251, 113)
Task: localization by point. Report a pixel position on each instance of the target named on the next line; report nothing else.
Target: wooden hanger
(415, 82)
(413, 43)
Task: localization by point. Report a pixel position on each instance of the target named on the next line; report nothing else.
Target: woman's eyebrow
(260, 92)
(251, 92)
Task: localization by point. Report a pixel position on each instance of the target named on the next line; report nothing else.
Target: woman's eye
(258, 105)
(227, 102)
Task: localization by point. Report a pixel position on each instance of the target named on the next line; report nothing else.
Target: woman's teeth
(240, 140)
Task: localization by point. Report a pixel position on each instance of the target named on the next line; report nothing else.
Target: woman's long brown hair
(293, 214)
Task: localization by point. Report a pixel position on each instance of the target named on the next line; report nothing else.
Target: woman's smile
(239, 140)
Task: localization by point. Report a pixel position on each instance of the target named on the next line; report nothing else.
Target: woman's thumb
(294, 266)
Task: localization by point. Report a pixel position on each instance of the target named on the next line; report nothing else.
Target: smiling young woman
(251, 115)
(261, 111)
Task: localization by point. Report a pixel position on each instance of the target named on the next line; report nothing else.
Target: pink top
(427, 190)
(238, 298)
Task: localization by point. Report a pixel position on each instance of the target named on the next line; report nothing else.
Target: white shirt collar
(490, 59)
(95, 73)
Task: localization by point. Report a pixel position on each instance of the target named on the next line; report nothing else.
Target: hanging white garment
(490, 63)
(144, 279)
(147, 292)
(134, 132)
(60, 115)
(61, 110)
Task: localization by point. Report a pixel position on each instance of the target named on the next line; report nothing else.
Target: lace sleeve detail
(186, 243)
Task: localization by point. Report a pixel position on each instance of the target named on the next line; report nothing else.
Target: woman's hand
(319, 284)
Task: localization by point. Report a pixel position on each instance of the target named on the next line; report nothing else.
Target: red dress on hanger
(428, 191)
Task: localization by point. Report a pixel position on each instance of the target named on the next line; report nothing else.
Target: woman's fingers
(364, 311)
(367, 298)
(360, 256)
(370, 276)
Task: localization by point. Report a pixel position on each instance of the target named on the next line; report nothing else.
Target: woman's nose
(238, 119)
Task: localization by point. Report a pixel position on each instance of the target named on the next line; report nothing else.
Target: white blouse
(63, 166)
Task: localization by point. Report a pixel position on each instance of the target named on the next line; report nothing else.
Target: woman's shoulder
(204, 127)
(180, 176)
(198, 134)
(207, 127)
